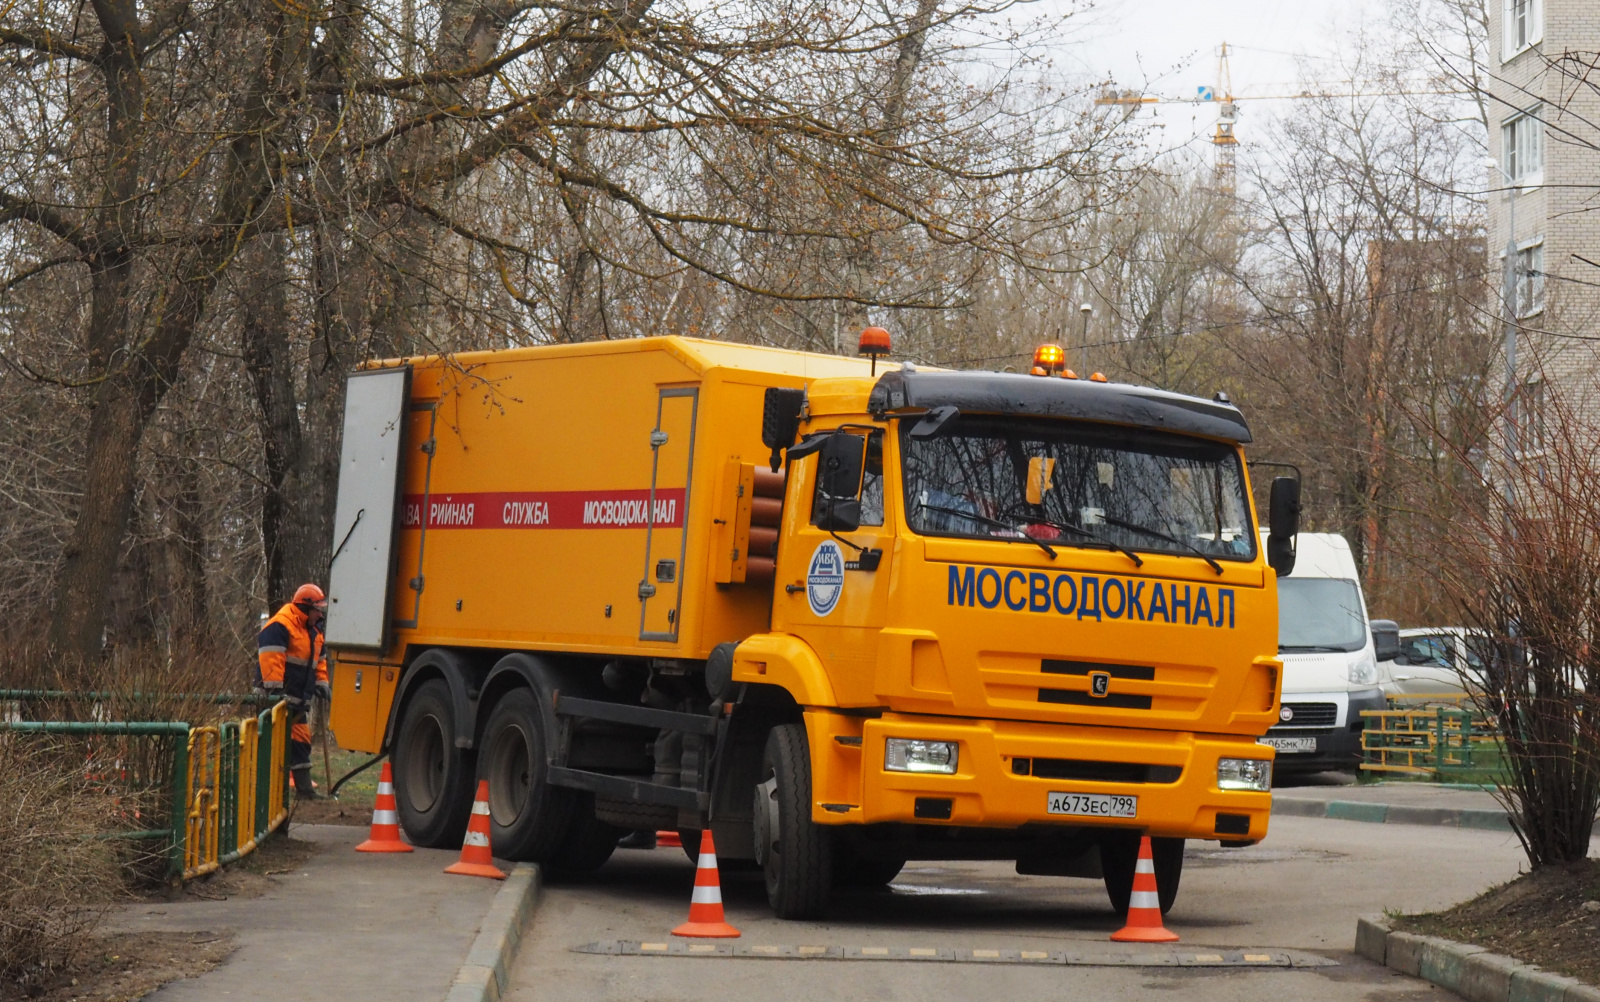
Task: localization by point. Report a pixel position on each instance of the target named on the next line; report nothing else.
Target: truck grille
(1308, 715)
(1115, 700)
(1097, 772)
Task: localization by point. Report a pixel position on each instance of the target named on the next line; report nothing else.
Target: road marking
(1076, 954)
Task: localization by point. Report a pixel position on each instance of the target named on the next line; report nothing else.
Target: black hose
(363, 767)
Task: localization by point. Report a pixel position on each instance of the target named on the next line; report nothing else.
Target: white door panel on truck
(370, 465)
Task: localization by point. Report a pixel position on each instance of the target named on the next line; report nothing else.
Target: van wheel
(795, 853)
(432, 777)
(528, 818)
(1119, 854)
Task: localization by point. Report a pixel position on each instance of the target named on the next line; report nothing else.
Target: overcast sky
(1169, 47)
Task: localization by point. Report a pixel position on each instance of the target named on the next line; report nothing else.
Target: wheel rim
(425, 764)
(510, 777)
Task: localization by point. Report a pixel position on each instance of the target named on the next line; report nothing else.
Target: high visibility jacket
(289, 656)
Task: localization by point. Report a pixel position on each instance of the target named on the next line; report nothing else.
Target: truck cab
(915, 614)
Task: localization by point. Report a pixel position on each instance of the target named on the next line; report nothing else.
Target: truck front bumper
(1007, 770)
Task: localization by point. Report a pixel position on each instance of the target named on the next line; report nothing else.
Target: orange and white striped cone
(476, 859)
(1144, 905)
(706, 920)
(670, 840)
(385, 835)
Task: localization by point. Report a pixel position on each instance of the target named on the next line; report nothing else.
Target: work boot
(643, 838)
(304, 789)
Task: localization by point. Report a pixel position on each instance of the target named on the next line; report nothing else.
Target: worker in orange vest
(290, 663)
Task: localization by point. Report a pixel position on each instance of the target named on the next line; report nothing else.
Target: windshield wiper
(1085, 533)
(1157, 533)
(1046, 547)
(1310, 649)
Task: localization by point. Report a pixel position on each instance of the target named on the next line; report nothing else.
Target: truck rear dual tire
(1119, 854)
(795, 853)
(528, 818)
(433, 779)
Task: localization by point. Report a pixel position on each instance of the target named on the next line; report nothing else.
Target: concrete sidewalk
(1395, 803)
(344, 925)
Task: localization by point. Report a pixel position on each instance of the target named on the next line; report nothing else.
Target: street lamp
(1083, 352)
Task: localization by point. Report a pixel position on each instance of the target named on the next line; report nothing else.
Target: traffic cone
(385, 836)
(1144, 905)
(706, 920)
(476, 859)
(668, 840)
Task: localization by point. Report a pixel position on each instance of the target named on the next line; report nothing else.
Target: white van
(1330, 671)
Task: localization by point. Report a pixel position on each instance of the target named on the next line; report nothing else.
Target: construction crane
(1223, 140)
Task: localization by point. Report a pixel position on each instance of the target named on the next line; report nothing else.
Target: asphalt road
(1301, 890)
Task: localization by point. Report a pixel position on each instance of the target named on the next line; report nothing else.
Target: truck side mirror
(780, 420)
(839, 467)
(1386, 639)
(1284, 512)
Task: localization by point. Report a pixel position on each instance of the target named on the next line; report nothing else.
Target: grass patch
(1539, 918)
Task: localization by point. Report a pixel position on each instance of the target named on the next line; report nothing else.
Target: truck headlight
(1244, 774)
(911, 755)
(1363, 672)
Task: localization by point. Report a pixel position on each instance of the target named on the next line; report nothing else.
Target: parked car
(1433, 660)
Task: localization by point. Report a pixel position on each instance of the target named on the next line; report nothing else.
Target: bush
(56, 875)
(1524, 571)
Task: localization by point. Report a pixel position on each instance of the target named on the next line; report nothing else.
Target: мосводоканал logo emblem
(825, 578)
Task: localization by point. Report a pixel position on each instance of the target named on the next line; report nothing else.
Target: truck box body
(603, 507)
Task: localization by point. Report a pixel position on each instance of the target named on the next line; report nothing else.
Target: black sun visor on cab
(1050, 396)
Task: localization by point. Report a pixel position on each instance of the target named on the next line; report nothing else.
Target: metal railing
(1429, 740)
(228, 786)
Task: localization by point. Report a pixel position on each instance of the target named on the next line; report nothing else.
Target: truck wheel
(1119, 854)
(433, 785)
(528, 818)
(588, 844)
(795, 853)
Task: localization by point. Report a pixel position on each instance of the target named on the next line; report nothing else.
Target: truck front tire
(795, 853)
(528, 818)
(433, 784)
(1119, 854)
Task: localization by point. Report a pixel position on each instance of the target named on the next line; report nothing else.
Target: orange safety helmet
(310, 594)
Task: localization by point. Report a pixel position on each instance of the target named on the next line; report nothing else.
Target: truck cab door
(672, 442)
(828, 592)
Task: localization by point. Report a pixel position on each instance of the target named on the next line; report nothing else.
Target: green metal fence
(1428, 740)
(228, 787)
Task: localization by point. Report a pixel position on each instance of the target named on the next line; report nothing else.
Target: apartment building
(1543, 105)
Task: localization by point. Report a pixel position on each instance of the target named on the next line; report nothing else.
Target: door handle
(658, 438)
(792, 588)
(646, 590)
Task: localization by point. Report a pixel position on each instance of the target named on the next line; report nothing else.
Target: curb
(486, 974)
(1394, 814)
(1470, 971)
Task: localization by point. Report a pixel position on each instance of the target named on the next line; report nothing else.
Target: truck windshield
(1320, 614)
(1077, 484)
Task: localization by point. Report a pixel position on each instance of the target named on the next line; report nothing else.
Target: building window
(1530, 280)
(1523, 25)
(1522, 142)
(1527, 415)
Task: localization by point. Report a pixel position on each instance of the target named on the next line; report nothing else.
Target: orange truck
(842, 618)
